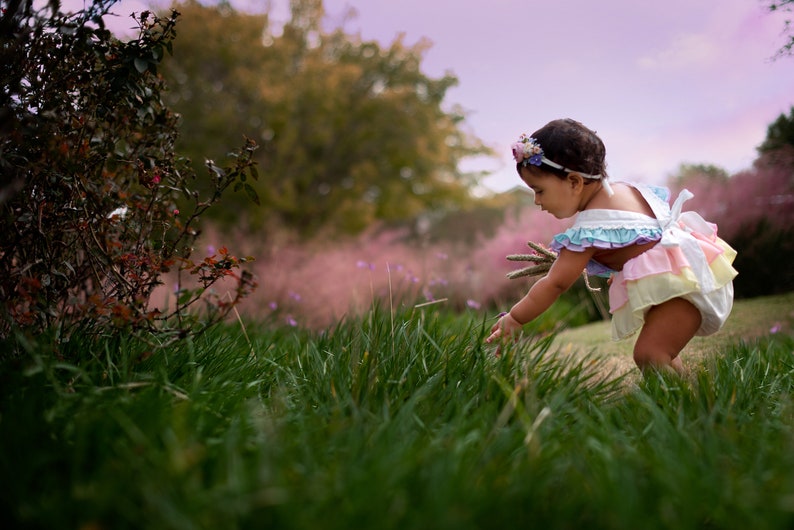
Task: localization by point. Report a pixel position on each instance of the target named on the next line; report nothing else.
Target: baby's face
(553, 194)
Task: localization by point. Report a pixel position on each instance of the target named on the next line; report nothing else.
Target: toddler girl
(670, 275)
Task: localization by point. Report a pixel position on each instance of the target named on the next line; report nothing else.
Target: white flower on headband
(527, 150)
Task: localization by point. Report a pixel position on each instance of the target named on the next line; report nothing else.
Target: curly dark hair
(572, 145)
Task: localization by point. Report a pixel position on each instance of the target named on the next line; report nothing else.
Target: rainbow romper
(689, 261)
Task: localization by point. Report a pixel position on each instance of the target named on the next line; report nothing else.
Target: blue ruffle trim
(578, 239)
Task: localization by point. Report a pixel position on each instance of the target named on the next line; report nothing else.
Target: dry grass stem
(543, 259)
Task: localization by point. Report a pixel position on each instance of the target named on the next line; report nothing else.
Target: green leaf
(251, 192)
(188, 294)
(254, 172)
(141, 64)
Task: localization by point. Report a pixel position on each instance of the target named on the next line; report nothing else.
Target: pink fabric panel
(656, 260)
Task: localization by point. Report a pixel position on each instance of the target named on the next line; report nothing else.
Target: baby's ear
(576, 180)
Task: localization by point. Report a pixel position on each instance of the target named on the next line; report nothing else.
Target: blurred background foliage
(359, 160)
(351, 132)
(785, 6)
(353, 135)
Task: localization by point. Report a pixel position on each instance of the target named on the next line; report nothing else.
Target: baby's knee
(644, 358)
(648, 356)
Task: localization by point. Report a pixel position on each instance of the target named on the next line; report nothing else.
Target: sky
(663, 83)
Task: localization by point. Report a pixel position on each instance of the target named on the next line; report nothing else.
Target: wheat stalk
(542, 260)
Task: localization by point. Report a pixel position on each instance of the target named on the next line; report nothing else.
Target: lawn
(749, 320)
(400, 420)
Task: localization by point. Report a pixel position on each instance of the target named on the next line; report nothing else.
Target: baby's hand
(506, 326)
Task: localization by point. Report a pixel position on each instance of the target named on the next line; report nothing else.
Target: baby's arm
(566, 269)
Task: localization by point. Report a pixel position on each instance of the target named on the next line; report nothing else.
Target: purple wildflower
(361, 264)
(473, 304)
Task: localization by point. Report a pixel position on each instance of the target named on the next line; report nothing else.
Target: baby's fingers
(495, 334)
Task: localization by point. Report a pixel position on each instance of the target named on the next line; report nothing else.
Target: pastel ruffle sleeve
(607, 229)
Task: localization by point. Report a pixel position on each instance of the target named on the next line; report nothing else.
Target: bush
(764, 263)
(91, 184)
(314, 283)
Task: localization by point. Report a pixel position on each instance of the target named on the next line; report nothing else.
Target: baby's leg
(668, 328)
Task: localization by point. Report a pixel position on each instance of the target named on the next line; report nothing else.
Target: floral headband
(527, 150)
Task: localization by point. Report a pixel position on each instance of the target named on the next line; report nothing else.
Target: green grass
(392, 421)
(749, 320)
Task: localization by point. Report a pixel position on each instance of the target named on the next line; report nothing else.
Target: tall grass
(392, 420)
